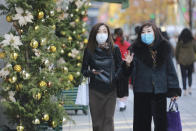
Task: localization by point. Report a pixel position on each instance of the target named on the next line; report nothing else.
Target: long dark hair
(158, 35)
(185, 36)
(119, 33)
(92, 43)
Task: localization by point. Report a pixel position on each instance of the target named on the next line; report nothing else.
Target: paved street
(124, 120)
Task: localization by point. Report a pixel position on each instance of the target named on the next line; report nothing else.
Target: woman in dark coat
(154, 78)
(185, 56)
(123, 45)
(101, 62)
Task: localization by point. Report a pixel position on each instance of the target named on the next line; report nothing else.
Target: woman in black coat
(185, 56)
(154, 78)
(101, 62)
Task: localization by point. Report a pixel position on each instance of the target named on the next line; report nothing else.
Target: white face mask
(101, 38)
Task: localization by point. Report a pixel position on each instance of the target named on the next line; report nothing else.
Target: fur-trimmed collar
(142, 52)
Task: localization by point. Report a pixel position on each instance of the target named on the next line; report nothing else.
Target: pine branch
(2, 7)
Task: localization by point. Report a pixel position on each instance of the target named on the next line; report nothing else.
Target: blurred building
(93, 13)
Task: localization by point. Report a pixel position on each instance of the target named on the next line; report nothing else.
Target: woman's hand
(96, 72)
(174, 98)
(128, 58)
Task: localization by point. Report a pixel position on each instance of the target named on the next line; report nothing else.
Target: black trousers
(102, 107)
(186, 72)
(146, 107)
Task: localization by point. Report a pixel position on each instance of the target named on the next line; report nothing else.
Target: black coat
(161, 79)
(110, 62)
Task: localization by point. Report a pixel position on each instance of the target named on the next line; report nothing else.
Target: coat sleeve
(85, 64)
(172, 80)
(118, 62)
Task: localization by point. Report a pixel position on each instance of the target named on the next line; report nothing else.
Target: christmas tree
(74, 14)
(42, 56)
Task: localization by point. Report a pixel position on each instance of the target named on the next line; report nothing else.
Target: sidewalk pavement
(124, 120)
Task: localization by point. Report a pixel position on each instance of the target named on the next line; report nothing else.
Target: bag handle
(173, 104)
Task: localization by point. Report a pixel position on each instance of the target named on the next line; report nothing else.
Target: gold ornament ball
(77, 10)
(42, 84)
(78, 73)
(70, 77)
(83, 30)
(63, 33)
(77, 20)
(62, 51)
(34, 44)
(13, 79)
(36, 121)
(63, 46)
(78, 57)
(2, 55)
(46, 117)
(83, 13)
(54, 124)
(14, 56)
(69, 54)
(79, 64)
(17, 68)
(65, 69)
(37, 96)
(36, 27)
(20, 128)
(9, 18)
(70, 38)
(43, 20)
(19, 87)
(85, 41)
(54, 27)
(60, 105)
(43, 41)
(52, 13)
(53, 48)
(40, 15)
(79, 36)
(21, 31)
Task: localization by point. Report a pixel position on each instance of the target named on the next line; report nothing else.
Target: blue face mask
(147, 38)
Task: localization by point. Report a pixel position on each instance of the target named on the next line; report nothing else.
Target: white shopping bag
(83, 94)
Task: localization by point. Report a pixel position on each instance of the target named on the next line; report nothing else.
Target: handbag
(82, 97)
(173, 117)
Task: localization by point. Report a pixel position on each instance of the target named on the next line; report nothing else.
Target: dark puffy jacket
(161, 79)
(108, 61)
